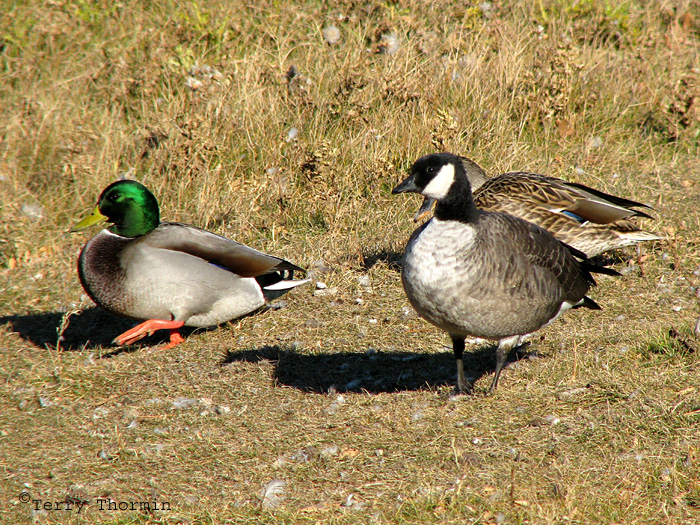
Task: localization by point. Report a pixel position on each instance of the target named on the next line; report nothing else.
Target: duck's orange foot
(147, 328)
(175, 339)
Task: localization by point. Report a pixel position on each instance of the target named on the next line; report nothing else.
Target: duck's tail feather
(285, 285)
(277, 284)
(635, 237)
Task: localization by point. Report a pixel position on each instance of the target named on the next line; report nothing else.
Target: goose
(586, 219)
(475, 273)
(170, 274)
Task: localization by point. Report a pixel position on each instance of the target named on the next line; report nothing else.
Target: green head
(129, 206)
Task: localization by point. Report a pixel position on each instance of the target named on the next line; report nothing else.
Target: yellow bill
(94, 218)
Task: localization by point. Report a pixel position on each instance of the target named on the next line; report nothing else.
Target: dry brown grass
(345, 400)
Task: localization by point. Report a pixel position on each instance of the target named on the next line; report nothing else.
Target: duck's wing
(229, 254)
(514, 191)
(606, 198)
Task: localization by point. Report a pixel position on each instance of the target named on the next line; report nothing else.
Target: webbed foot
(147, 328)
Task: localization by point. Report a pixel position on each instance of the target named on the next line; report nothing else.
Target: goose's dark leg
(458, 347)
(504, 348)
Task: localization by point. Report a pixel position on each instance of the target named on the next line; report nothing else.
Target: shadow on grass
(88, 329)
(94, 328)
(391, 258)
(380, 372)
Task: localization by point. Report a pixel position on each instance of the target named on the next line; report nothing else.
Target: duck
(586, 219)
(169, 274)
(484, 274)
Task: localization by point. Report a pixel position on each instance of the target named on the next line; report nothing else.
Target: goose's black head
(441, 176)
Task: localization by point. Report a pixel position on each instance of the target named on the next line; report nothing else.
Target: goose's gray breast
(486, 279)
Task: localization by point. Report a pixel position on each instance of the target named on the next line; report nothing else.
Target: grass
(344, 396)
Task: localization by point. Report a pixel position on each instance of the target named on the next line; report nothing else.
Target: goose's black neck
(458, 204)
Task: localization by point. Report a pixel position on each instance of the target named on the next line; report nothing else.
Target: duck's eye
(113, 197)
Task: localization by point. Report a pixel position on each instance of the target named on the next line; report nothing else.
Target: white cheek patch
(441, 183)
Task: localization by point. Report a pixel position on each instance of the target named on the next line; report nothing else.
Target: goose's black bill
(424, 209)
(407, 186)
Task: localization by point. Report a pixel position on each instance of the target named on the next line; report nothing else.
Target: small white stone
(364, 281)
(552, 420)
(32, 211)
(389, 44)
(331, 450)
(329, 291)
(292, 134)
(595, 142)
(193, 83)
(486, 9)
(184, 402)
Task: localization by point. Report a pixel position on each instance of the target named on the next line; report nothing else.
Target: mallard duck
(589, 220)
(485, 274)
(171, 274)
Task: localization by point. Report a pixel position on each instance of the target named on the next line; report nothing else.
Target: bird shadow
(389, 257)
(376, 372)
(86, 329)
(372, 372)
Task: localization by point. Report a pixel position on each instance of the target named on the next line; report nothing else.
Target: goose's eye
(430, 170)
